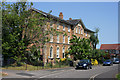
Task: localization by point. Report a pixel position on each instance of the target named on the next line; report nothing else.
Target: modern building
(59, 44)
(112, 49)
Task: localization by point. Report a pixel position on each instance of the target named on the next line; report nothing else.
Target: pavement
(97, 72)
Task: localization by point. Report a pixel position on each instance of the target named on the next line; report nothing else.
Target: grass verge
(31, 67)
(118, 76)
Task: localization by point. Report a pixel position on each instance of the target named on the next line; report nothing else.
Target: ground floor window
(51, 51)
(57, 52)
(63, 52)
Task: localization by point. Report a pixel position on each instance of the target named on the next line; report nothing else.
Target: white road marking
(55, 73)
(92, 78)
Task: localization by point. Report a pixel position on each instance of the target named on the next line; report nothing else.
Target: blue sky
(94, 14)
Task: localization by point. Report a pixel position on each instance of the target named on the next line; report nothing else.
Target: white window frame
(51, 24)
(57, 52)
(86, 33)
(57, 38)
(63, 38)
(76, 29)
(63, 27)
(51, 38)
(51, 53)
(79, 30)
(68, 28)
(58, 26)
(68, 39)
(63, 52)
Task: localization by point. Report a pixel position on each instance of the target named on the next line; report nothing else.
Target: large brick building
(59, 44)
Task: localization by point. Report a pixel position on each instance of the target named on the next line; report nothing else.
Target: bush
(94, 62)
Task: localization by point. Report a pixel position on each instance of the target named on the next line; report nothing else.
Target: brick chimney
(61, 15)
(70, 18)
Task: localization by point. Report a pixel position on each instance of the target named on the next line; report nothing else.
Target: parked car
(116, 61)
(107, 62)
(85, 63)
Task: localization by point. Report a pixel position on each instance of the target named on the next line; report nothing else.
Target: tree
(12, 19)
(25, 32)
(94, 38)
(80, 48)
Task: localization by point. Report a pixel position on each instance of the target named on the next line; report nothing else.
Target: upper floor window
(51, 24)
(86, 33)
(57, 26)
(58, 38)
(79, 30)
(51, 38)
(51, 52)
(68, 28)
(68, 39)
(63, 27)
(63, 39)
(57, 52)
(76, 29)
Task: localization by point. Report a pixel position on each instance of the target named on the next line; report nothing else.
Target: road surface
(96, 73)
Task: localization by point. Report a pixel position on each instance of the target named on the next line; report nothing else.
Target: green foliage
(24, 32)
(80, 48)
(94, 38)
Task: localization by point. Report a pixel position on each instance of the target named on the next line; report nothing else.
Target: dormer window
(76, 29)
(68, 28)
(81, 31)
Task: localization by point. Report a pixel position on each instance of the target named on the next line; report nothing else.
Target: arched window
(51, 52)
(63, 52)
(57, 52)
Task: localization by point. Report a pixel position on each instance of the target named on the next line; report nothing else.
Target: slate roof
(76, 21)
(69, 22)
(110, 46)
(52, 16)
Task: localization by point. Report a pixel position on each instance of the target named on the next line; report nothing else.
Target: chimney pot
(61, 15)
(70, 18)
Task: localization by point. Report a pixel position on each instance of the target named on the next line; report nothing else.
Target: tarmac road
(96, 73)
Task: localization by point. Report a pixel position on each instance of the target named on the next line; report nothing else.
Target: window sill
(51, 58)
(57, 58)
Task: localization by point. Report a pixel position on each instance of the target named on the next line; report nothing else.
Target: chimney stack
(61, 15)
(70, 18)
